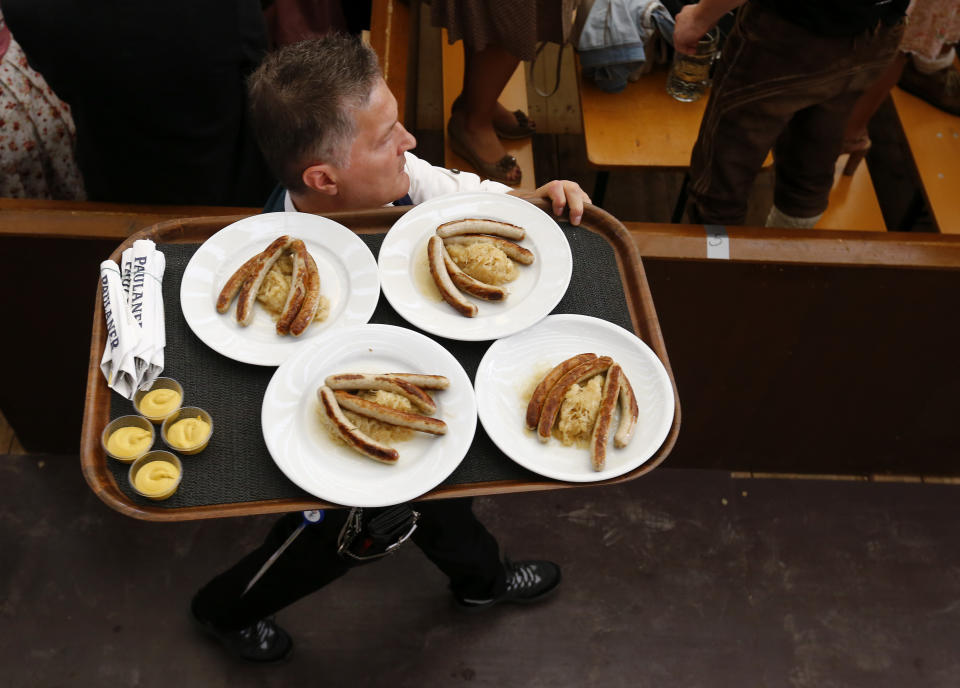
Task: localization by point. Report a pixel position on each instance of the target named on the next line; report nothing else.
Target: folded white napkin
(123, 333)
(145, 298)
(133, 306)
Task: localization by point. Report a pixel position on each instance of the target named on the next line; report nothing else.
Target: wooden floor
(680, 578)
(9, 444)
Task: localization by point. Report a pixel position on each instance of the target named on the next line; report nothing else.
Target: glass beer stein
(689, 75)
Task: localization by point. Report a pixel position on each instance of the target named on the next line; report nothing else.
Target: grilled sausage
(546, 384)
(472, 286)
(551, 405)
(234, 284)
(601, 428)
(472, 225)
(438, 270)
(311, 298)
(417, 396)
(297, 287)
(385, 414)
(629, 412)
(258, 271)
(422, 381)
(350, 434)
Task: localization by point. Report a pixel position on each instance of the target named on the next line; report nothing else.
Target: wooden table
(934, 138)
(97, 404)
(644, 127)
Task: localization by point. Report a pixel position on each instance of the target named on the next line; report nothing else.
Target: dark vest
(274, 203)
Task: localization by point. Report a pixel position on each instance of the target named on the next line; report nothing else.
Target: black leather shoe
(263, 641)
(527, 582)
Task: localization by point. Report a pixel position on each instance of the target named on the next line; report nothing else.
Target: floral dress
(37, 134)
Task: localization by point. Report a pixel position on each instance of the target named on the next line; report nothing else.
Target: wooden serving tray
(96, 414)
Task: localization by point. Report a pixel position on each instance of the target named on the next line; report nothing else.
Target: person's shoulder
(276, 201)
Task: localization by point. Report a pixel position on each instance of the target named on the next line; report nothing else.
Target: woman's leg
(485, 74)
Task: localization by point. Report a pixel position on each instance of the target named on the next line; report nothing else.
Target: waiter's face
(375, 175)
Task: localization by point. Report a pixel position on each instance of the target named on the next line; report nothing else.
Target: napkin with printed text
(133, 310)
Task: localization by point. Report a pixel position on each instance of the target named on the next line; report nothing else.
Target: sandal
(524, 127)
(498, 171)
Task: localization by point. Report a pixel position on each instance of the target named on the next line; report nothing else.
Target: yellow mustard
(159, 403)
(129, 443)
(157, 479)
(188, 433)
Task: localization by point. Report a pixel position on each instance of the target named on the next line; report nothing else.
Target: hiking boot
(941, 89)
(527, 582)
(263, 641)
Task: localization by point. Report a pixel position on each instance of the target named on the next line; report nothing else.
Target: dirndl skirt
(515, 25)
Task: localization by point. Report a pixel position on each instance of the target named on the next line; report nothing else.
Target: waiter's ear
(320, 178)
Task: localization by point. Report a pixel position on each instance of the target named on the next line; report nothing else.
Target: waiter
(327, 125)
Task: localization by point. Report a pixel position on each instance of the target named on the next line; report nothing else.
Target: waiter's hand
(561, 193)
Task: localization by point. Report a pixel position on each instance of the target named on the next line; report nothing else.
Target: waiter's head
(327, 124)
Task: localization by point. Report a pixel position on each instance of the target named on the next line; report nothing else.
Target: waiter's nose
(407, 141)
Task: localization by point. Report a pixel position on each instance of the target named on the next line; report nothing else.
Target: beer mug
(689, 75)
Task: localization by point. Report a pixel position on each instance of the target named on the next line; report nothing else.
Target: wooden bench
(848, 369)
(514, 97)
(853, 202)
(644, 127)
(41, 219)
(50, 253)
(934, 139)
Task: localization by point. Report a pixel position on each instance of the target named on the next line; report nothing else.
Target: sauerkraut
(276, 285)
(380, 431)
(483, 261)
(578, 412)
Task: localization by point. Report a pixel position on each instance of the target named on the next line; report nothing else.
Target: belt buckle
(353, 528)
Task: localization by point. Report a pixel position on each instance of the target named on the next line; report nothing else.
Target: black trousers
(448, 533)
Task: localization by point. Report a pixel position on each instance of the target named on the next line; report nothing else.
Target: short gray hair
(300, 102)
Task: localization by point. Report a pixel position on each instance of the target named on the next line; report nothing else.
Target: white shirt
(429, 181)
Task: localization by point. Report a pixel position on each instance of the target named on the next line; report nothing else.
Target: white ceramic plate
(533, 294)
(348, 278)
(304, 451)
(512, 367)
